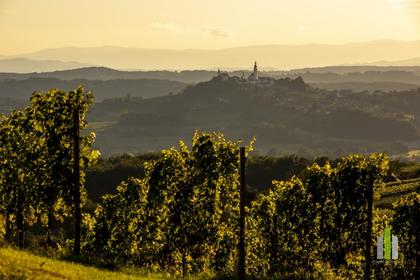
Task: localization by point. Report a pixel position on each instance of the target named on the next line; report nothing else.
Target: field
(16, 264)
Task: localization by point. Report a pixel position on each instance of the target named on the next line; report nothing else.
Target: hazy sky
(30, 25)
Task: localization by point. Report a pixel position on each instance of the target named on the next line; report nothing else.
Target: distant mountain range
(384, 52)
(25, 65)
(406, 62)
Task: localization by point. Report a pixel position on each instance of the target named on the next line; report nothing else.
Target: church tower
(255, 71)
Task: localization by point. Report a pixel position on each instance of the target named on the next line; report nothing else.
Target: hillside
(393, 192)
(288, 116)
(366, 86)
(144, 88)
(364, 77)
(24, 265)
(344, 69)
(325, 113)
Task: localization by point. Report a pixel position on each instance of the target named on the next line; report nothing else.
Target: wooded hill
(288, 116)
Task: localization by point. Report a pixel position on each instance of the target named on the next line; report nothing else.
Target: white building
(254, 74)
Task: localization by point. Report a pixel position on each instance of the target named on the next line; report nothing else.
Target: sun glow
(30, 25)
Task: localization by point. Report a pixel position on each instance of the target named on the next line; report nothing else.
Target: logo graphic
(387, 246)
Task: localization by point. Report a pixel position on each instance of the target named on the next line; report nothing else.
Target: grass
(16, 264)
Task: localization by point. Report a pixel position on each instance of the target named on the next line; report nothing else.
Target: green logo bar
(387, 244)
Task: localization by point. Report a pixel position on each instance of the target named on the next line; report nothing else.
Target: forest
(179, 212)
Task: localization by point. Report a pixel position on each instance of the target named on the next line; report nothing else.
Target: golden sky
(31, 25)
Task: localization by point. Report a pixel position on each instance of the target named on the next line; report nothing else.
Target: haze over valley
(322, 85)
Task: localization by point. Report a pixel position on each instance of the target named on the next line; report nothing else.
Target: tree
(341, 197)
(322, 217)
(201, 227)
(283, 230)
(20, 171)
(53, 119)
(188, 214)
(119, 225)
(36, 161)
(406, 225)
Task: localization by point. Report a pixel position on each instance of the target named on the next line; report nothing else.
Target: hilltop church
(254, 74)
(253, 78)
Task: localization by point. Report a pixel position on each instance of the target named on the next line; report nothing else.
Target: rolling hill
(103, 73)
(142, 88)
(288, 116)
(325, 113)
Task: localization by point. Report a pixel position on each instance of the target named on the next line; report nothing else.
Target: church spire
(255, 71)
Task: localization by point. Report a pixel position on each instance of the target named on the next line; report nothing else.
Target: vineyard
(395, 191)
(182, 217)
